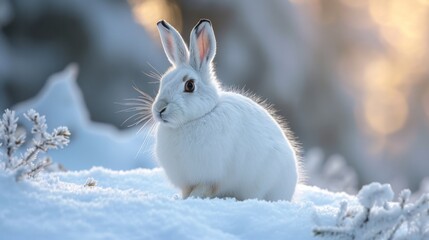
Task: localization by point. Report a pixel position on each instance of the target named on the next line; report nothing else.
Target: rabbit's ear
(203, 44)
(174, 46)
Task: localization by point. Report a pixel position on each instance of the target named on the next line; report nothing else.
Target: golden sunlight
(386, 74)
(386, 112)
(385, 105)
(149, 12)
(402, 24)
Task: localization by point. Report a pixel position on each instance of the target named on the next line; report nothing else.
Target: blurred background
(350, 76)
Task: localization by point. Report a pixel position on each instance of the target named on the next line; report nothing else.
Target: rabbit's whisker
(156, 71)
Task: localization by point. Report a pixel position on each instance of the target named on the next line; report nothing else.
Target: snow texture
(375, 194)
(141, 204)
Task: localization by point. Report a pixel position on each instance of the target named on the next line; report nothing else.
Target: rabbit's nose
(162, 110)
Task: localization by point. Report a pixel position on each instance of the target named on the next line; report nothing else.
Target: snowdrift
(141, 204)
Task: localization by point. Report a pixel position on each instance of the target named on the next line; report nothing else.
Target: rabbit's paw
(201, 191)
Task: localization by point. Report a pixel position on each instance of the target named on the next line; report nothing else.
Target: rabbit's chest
(189, 157)
(184, 147)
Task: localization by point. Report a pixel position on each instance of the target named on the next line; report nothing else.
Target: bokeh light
(149, 12)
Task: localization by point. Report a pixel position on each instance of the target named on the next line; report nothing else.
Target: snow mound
(141, 204)
(91, 144)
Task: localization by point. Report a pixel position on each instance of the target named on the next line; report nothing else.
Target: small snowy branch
(8, 134)
(379, 218)
(39, 122)
(90, 182)
(333, 232)
(28, 164)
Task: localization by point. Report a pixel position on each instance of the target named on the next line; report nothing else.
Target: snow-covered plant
(379, 218)
(28, 164)
(9, 136)
(90, 182)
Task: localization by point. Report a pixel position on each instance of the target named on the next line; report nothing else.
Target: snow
(379, 218)
(375, 194)
(141, 204)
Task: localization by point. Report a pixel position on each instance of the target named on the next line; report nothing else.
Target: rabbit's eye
(189, 86)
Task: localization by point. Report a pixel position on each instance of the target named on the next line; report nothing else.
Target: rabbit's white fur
(216, 143)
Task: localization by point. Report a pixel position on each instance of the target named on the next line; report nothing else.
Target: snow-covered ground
(141, 204)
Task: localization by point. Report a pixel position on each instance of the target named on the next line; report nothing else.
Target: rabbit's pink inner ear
(170, 46)
(203, 44)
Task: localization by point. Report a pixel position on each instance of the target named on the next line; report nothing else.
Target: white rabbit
(212, 142)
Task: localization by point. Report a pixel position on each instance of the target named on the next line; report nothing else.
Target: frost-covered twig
(404, 196)
(8, 134)
(379, 218)
(39, 167)
(28, 164)
(90, 182)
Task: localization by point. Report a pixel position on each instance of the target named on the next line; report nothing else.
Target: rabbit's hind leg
(204, 191)
(186, 191)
